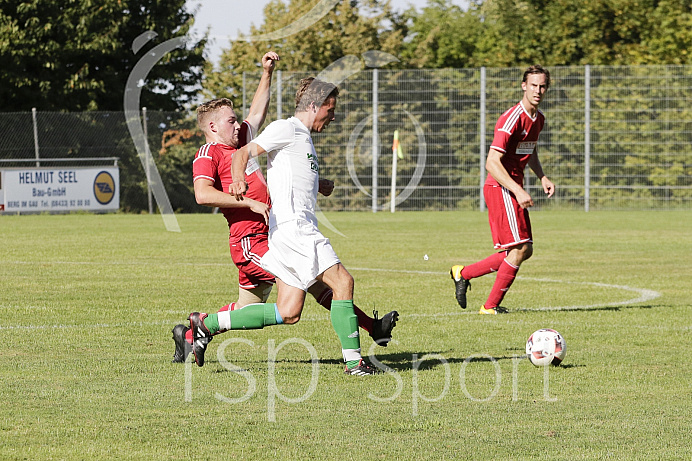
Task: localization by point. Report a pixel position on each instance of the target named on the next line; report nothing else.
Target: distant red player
(247, 219)
(513, 147)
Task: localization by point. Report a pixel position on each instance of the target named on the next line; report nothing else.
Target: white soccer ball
(546, 347)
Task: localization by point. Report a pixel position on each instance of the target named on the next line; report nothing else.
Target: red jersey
(213, 162)
(516, 136)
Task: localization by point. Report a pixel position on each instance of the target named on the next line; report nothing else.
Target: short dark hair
(312, 90)
(537, 69)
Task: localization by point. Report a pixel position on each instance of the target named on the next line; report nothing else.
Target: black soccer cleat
(382, 328)
(200, 337)
(363, 369)
(182, 347)
(461, 285)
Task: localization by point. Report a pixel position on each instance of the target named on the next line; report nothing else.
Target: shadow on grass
(571, 365)
(404, 361)
(521, 310)
(400, 361)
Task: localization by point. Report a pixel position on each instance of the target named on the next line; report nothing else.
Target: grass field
(87, 304)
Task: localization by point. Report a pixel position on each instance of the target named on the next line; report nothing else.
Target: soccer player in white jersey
(247, 219)
(513, 147)
(299, 255)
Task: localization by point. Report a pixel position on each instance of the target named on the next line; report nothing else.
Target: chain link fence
(615, 138)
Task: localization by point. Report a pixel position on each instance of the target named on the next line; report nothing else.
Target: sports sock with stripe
(485, 266)
(364, 320)
(250, 317)
(505, 277)
(345, 324)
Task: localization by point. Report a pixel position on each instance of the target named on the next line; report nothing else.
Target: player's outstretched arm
(260, 102)
(239, 165)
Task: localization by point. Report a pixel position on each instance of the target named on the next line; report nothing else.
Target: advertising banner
(60, 189)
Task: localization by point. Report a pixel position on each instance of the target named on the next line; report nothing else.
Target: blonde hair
(208, 109)
(311, 90)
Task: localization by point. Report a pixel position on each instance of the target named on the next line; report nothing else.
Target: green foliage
(351, 28)
(77, 55)
(174, 143)
(88, 303)
(442, 35)
(506, 33)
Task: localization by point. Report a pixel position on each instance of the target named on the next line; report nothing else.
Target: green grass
(87, 304)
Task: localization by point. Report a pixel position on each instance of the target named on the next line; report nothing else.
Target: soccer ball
(546, 347)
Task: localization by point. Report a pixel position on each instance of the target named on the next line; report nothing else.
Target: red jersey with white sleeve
(213, 162)
(516, 136)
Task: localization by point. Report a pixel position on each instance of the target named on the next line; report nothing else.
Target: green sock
(255, 316)
(345, 324)
(211, 321)
(250, 317)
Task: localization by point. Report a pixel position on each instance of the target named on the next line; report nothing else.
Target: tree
(77, 55)
(352, 27)
(442, 35)
(505, 33)
(617, 32)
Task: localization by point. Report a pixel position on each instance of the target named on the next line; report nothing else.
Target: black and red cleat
(200, 336)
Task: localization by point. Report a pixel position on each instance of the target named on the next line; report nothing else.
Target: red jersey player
(247, 219)
(513, 147)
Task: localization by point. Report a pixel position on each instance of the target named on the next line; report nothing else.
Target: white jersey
(292, 171)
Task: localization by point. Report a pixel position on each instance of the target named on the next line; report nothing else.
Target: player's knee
(527, 251)
(349, 282)
(290, 310)
(291, 319)
(345, 284)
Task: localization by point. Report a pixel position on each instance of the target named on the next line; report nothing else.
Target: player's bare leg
(259, 294)
(289, 302)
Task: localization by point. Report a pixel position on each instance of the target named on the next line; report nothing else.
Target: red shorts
(509, 223)
(246, 255)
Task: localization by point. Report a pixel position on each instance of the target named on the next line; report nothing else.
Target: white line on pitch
(644, 296)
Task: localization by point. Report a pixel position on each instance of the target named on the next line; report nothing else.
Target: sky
(217, 14)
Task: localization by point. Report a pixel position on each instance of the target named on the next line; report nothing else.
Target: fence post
(147, 155)
(395, 154)
(375, 141)
(279, 112)
(244, 105)
(482, 140)
(33, 116)
(587, 136)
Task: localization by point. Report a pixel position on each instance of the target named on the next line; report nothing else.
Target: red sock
(490, 264)
(325, 300)
(505, 277)
(228, 307)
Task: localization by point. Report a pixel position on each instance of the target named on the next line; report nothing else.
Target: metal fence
(615, 138)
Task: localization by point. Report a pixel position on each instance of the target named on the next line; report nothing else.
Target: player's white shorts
(298, 253)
